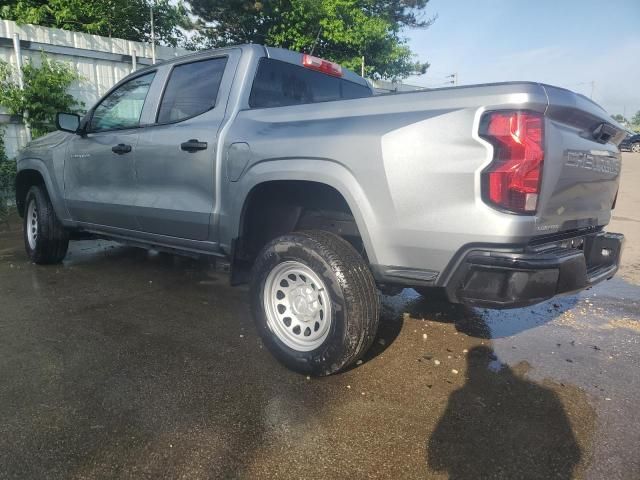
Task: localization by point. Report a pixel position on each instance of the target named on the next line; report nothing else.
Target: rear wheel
(314, 302)
(635, 148)
(45, 239)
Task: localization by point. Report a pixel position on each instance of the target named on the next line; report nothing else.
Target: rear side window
(192, 89)
(278, 84)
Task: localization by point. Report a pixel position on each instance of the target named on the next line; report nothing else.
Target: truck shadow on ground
(500, 425)
(474, 322)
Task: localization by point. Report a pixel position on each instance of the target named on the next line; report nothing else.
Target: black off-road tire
(355, 305)
(52, 241)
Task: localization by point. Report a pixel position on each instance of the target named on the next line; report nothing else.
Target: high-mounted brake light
(512, 181)
(321, 65)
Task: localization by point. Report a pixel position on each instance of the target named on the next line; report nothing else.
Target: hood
(45, 142)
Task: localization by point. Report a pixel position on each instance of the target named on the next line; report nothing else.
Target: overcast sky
(569, 43)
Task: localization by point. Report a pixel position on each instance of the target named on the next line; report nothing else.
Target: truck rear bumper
(502, 279)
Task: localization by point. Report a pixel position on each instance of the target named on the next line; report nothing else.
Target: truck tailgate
(581, 166)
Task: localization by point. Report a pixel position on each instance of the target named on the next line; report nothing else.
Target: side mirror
(67, 122)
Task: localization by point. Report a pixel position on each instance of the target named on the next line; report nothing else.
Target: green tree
(636, 119)
(128, 19)
(45, 92)
(340, 30)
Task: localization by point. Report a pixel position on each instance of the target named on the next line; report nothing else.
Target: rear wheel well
(24, 181)
(278, 207)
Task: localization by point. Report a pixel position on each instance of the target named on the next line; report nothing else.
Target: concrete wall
(101, 61)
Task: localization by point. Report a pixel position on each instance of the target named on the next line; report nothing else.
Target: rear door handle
(121, 148)
(193, 145)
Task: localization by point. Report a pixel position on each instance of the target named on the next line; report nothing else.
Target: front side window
(192, 89)
(278, 84)
(122, 108)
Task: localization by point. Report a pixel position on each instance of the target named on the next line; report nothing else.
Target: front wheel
(314, 302)
(45, 239)
(635, 148)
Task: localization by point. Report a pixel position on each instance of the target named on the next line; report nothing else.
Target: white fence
(101, 61)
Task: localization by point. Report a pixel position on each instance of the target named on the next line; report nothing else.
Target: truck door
(99, 175)
(176, 156)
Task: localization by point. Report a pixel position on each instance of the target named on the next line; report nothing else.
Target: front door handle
(121, 148)
(193, 145)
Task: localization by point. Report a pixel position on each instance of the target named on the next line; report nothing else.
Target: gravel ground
(125, 364)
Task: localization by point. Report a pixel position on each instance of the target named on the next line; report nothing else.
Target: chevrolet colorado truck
(319, 194)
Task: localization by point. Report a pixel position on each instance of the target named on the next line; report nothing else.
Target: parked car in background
(630, 144)
(318, 193)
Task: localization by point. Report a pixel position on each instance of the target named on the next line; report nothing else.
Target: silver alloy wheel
(635, 148)
(297, 306)
(32, 224)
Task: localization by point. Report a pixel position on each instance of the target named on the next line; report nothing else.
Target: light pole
(153, 36)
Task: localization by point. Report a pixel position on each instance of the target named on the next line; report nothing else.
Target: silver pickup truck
(318, 193)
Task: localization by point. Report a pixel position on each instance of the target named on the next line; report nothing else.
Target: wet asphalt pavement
(127, 364)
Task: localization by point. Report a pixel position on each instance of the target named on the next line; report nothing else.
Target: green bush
(7, 180)
(45, 92)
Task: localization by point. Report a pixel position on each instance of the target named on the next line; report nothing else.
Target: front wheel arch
(25, 179)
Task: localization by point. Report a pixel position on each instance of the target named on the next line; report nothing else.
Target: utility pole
(153, 37)
(315, 42)
(362, 72)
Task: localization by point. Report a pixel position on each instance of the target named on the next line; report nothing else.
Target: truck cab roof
(275, 53)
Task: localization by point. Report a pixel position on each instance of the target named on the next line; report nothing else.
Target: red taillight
(321, 65)
(512, 181)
